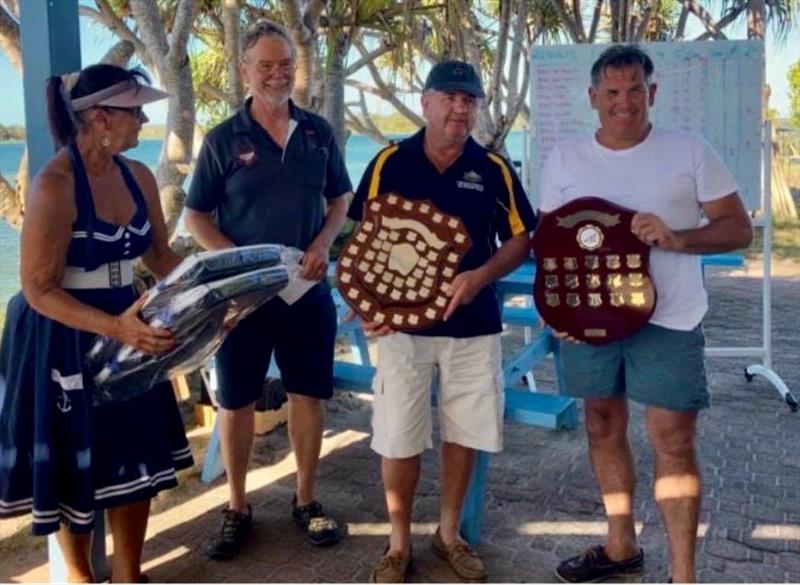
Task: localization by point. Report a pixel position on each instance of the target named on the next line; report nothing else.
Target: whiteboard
(712, 88)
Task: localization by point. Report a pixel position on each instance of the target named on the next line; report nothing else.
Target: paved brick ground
(542, 504)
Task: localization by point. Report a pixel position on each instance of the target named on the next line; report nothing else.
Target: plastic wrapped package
(198, 315)
(203, 267)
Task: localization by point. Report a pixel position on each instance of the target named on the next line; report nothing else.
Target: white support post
(764, 369)
(764, 353)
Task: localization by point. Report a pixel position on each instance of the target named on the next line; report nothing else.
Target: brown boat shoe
(464, 561)
(391, 568)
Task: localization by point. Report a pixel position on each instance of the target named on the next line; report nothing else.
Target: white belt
(111, 275)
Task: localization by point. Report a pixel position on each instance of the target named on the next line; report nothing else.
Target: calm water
(360, 150)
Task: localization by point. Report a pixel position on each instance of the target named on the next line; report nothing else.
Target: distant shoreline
(389, 125)
(144, 136)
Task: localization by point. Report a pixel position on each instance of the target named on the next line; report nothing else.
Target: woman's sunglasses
(136, 111)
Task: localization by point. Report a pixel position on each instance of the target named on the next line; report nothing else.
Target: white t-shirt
(669, 174)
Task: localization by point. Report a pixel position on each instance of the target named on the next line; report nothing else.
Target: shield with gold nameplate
(592, 273)
(397, 267)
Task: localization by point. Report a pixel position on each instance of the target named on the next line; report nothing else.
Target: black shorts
(303, 337)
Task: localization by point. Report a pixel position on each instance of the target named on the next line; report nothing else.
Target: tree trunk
(174, 72)
(338, 46)
(756, 17)
(119, 54)
(783, 206)
(9, 38)
(596, 15)
(231, 16)
(10, 206)
(303, 27)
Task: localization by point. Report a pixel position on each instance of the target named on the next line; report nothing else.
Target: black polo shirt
(481, 188)
(261, 193)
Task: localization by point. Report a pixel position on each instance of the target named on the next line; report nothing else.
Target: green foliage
(394, 123)
(12, 133)
(663, 20)
(785, 240)
(794, 95)
(153, 132)
(208, 70)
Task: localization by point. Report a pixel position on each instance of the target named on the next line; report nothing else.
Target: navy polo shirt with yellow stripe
(481, 188)
(262, 193)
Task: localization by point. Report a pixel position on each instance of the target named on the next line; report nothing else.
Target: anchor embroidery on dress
(67, 384)
(64, 404)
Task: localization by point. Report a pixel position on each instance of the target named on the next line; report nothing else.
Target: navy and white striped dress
(60, 457)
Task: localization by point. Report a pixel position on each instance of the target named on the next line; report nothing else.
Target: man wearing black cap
(444, 164)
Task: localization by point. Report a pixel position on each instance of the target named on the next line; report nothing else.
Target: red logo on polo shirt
(245, 153)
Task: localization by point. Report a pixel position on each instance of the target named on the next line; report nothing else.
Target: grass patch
(785, 241)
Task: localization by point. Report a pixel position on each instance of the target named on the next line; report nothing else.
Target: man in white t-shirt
(669, 177)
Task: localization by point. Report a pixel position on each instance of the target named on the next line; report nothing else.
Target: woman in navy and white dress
(88, 214)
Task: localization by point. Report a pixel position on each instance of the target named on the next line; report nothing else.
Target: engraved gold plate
(551, 281)
(636, 279)
(638, 299)
(633, 261)
(550, 264)
(617, 299)
(614, 281)
(572, 281)
(593, 281)
(591, 262)
(571, 263)
(595, 300)
(613, 262)
(573, 300)
(594, 332)
(553, 300)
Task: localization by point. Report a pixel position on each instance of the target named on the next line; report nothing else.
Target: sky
(95, 40)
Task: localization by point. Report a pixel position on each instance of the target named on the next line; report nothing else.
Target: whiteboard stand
(764, 353)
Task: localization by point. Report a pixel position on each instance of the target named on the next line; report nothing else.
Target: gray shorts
(654, 366)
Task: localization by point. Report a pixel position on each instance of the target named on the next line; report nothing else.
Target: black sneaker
(320, 529)
(232, 533)
(594, 565)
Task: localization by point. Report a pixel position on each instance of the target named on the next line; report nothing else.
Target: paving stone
(731, 520)
(774, 545)
(735, 496)
(760, 573)
(713, 576)
(761, 489)
(789, 562)
(765, 501)
(727, 549)
(764, 513)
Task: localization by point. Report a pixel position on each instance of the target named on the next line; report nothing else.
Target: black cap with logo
(455, 76)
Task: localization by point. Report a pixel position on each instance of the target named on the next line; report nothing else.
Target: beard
(273, 97)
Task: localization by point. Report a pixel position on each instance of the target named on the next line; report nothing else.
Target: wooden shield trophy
(397, 267)
(592, 273)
